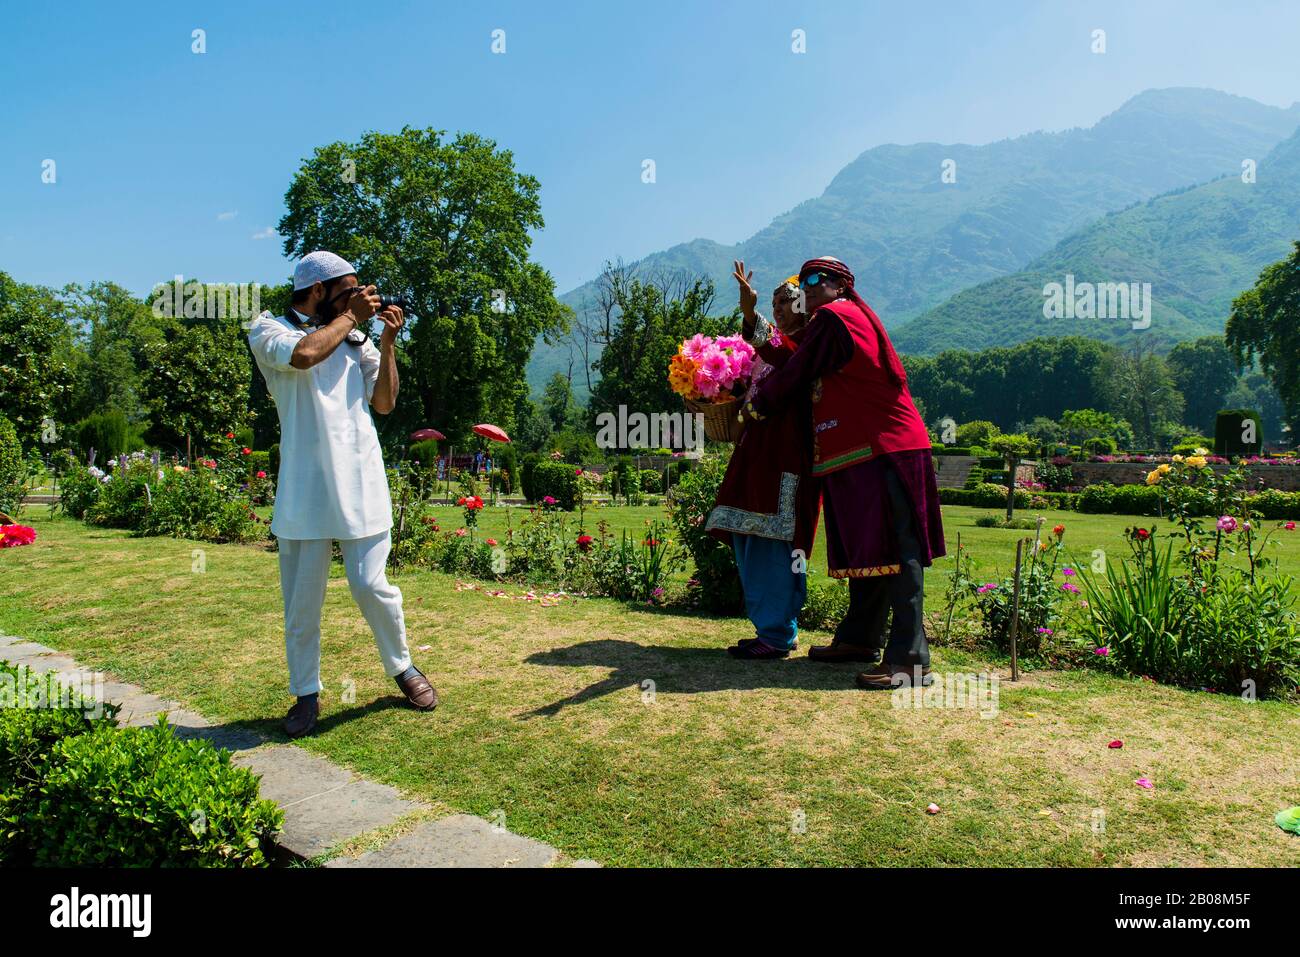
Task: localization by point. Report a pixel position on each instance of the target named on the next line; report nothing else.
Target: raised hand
(748, 297)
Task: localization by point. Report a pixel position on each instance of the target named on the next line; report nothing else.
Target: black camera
(398, 301)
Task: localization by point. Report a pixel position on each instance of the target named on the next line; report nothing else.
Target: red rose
(247, 451)
(1143, 534)
(261, 475)
(584, 542)
(230, 435)
(1058, 531)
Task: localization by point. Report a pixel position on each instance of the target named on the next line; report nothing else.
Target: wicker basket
(721, 423)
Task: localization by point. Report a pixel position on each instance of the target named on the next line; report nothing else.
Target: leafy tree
(1083, 424)
(447, 225)
(198, 383)
(114, 330)
(980, 432)
(559, 405)
(647, 319)
(1204, 371)
(36, 359)
(1140, 387)
(1012, 448)
(1265, 323)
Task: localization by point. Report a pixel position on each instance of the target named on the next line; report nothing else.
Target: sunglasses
(811, 279)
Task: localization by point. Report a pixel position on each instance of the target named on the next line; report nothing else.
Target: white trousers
(304, 572)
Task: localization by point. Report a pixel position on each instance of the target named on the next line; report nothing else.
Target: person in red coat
(767, 504)
(871, 450)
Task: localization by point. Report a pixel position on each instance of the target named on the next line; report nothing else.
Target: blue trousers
(774, 592)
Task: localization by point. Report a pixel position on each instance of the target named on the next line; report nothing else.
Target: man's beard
(329, 310)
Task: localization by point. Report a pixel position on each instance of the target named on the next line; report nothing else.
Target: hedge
(1107, 499)
(1227, 433)
(556, 479)
(76, 791)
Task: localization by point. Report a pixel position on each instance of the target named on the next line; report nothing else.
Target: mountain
(1198, 248)
(914, 241)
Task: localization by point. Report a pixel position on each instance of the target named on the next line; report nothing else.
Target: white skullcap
(320, 266)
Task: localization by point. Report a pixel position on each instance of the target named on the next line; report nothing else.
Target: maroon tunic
(769, 490)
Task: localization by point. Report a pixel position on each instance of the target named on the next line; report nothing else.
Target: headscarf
(833, 267)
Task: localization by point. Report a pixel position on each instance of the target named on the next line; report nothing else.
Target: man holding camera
(323, 371)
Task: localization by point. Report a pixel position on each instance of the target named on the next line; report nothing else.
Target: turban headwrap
(831, 266)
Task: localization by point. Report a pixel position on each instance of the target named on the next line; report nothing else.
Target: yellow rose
(1153, 477)
(1163, 469)
(1196, 461)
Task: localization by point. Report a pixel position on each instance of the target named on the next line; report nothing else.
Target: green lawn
(544, 717)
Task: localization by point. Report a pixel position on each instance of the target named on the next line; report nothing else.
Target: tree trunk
(1013, 462)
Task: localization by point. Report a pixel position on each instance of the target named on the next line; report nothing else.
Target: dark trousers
(871, 599)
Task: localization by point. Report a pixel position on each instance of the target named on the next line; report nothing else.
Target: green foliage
(1265, 323)
(105, 432)
(13, 468)
(201, 505)
(1100, 445)
(689, 503)
(426, 453)
(1230, 427)
(979, 432)
(647, 323)
(651, 481)
(826, 604)
(36, 357)
(1204, 372)
(1040, 598)
(141, 797)
(1107, 499)
(556, 479)
(36, 712)
(442, 223)
(198, 383)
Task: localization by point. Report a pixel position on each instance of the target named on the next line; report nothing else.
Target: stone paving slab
(461, 840)
(324, 805)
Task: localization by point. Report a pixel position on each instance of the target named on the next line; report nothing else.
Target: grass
(623, 734)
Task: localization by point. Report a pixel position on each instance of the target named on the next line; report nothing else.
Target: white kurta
(331, 482)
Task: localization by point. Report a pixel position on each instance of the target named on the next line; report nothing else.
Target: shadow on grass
(685, 671)
(272, 729)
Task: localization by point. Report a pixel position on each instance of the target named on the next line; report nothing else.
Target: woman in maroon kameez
(767, 505)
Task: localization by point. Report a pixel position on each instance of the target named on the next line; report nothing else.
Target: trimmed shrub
(1228, 428)
(426, 453)
(36, 712)
(273, 457)
(1101, 445)
(974, 478)
(1107, 499)
(526, 475)
(556, 479)
(13, 468)
(105, 432)
(141, 797)
(651, 481)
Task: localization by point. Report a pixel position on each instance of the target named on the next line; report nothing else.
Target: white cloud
(222, 217)
(264, 233)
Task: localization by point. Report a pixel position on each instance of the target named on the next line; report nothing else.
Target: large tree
(1265, 323)
(1204, 372)
(645, 318)
(1140, 387)
(36, 360)
(447, 226)
(114, 332)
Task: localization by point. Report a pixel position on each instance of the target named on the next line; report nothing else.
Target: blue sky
(171, 162)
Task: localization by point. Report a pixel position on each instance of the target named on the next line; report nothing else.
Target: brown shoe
(844, 651)
(419, 692)
(887, 677)
(301, 718)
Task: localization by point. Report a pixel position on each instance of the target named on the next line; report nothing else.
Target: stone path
(324, 805)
